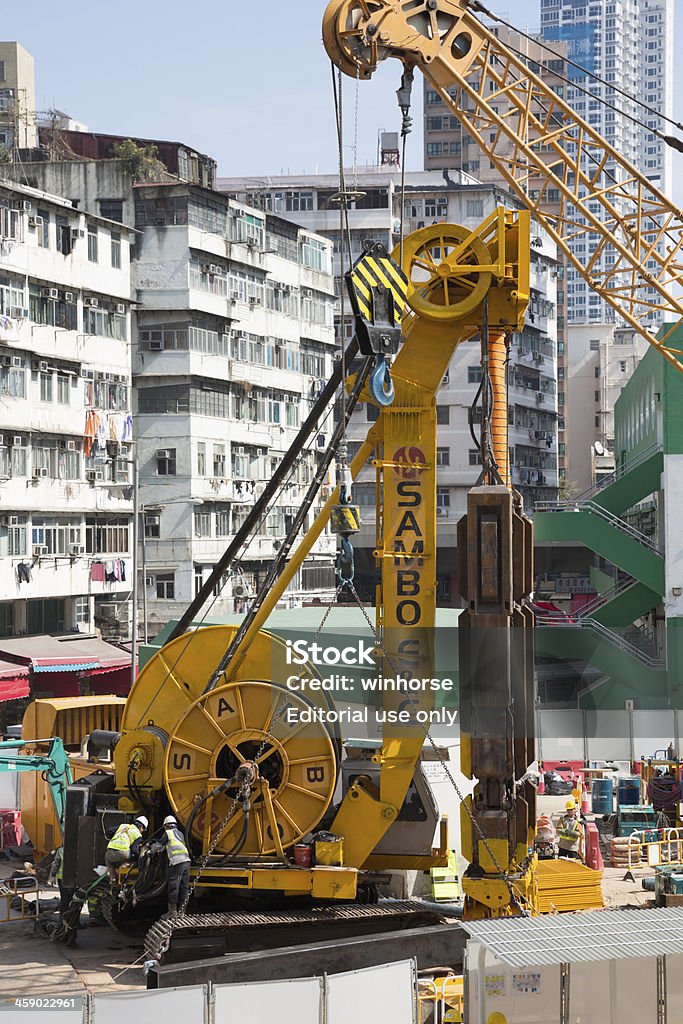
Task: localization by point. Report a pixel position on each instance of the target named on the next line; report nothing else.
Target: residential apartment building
(65, 417)
(17, 99)
(376, 215)
(233, 332)
(235, 338)
(629, 45)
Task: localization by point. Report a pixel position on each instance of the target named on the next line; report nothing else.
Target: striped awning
(14, 681)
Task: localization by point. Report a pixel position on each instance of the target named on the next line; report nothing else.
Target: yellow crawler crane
(205, 732)
(537, 142)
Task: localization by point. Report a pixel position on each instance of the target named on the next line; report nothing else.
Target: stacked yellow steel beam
(568, 885)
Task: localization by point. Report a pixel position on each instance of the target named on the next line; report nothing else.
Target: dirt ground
(31, 965)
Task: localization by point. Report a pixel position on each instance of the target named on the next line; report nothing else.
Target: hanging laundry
(97, 572)
(90, 433)
(123, 570)
(109, 574)
(24, 572)
(127, 432)
(101, 438)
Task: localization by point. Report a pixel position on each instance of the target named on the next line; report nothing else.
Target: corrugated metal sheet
(66, 666)
(577, 938)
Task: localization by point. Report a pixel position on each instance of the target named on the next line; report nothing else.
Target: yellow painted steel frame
(169, 690)
(538, 143)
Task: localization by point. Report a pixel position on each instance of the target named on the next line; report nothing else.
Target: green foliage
(142, 163)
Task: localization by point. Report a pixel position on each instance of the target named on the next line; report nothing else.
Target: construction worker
(570, 833)
(56, 875)
(124, 846)
(178, 864)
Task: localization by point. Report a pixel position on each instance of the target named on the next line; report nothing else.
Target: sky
(255, 96)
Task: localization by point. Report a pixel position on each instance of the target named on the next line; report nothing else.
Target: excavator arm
(634, 233)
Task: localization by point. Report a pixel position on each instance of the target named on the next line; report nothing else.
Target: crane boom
(634, 233)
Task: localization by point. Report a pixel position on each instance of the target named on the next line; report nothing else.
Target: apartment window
(153, 526)
(12, 382)
(597, 396)
(112, 209)
(474, 374)
(443, 497)
(297, 202)
(63, 389)
(201, 459)
(166, 462)
(443, 456)
(104, 322)
(622, 366)
(202, 524)
(596, 372)
(43, 229)
(475, 207)
(443, 414)
(561, 424)
(166, 586)
(44, 308)
(92, 244)
(562, 448)
(46, 390)
(596, 421)
(594, 345)
(2, 71)
(116, 249)
(219, 460)
(474, 457)
(223, 522)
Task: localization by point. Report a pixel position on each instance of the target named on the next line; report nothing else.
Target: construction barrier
(17, 889)
(387, 992)
(568, 885)
(666, 848)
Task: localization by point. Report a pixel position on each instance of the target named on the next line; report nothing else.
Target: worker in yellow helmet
(570, 832)
(124, 846)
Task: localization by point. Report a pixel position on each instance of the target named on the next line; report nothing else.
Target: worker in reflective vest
(178, 865)
(56, 875)
(124, 846)
(570, 833)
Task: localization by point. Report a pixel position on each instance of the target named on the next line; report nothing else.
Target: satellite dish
(599, 447)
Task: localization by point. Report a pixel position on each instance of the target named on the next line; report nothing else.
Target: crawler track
(196, 936)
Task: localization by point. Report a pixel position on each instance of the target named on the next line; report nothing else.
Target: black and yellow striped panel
(371, 271)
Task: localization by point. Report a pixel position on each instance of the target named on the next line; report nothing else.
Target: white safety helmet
(169, 820)
(142, 820)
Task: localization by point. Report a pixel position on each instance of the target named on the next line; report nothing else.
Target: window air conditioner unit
(61, 443)
(214, 268)
(440, 511)
(26, 206)
(43, 366)
(106, 610)
(87, 374)
(235, 296)
(77, 233)
(71, 446)
(99, 474)
(39, 549)
(156, 346)
(17, 361)
(90, 476)
(35, 222)
(76, 549)
(12, 520)
(163, 453)
(150, 581)
(19, 313)
(39, 472)
(53, 293)
(17, 441)
(120, 309)
(69, 297)
(241, 590)
(93, 303)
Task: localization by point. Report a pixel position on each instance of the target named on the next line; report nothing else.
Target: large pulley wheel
(345, 38)
(261, 724)
(445, 266)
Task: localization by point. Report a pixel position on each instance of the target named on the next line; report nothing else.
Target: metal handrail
(602, 513)
(607, 634)
(623, 469)
(600, 600)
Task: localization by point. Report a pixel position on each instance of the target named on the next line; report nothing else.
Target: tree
(142, 163)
